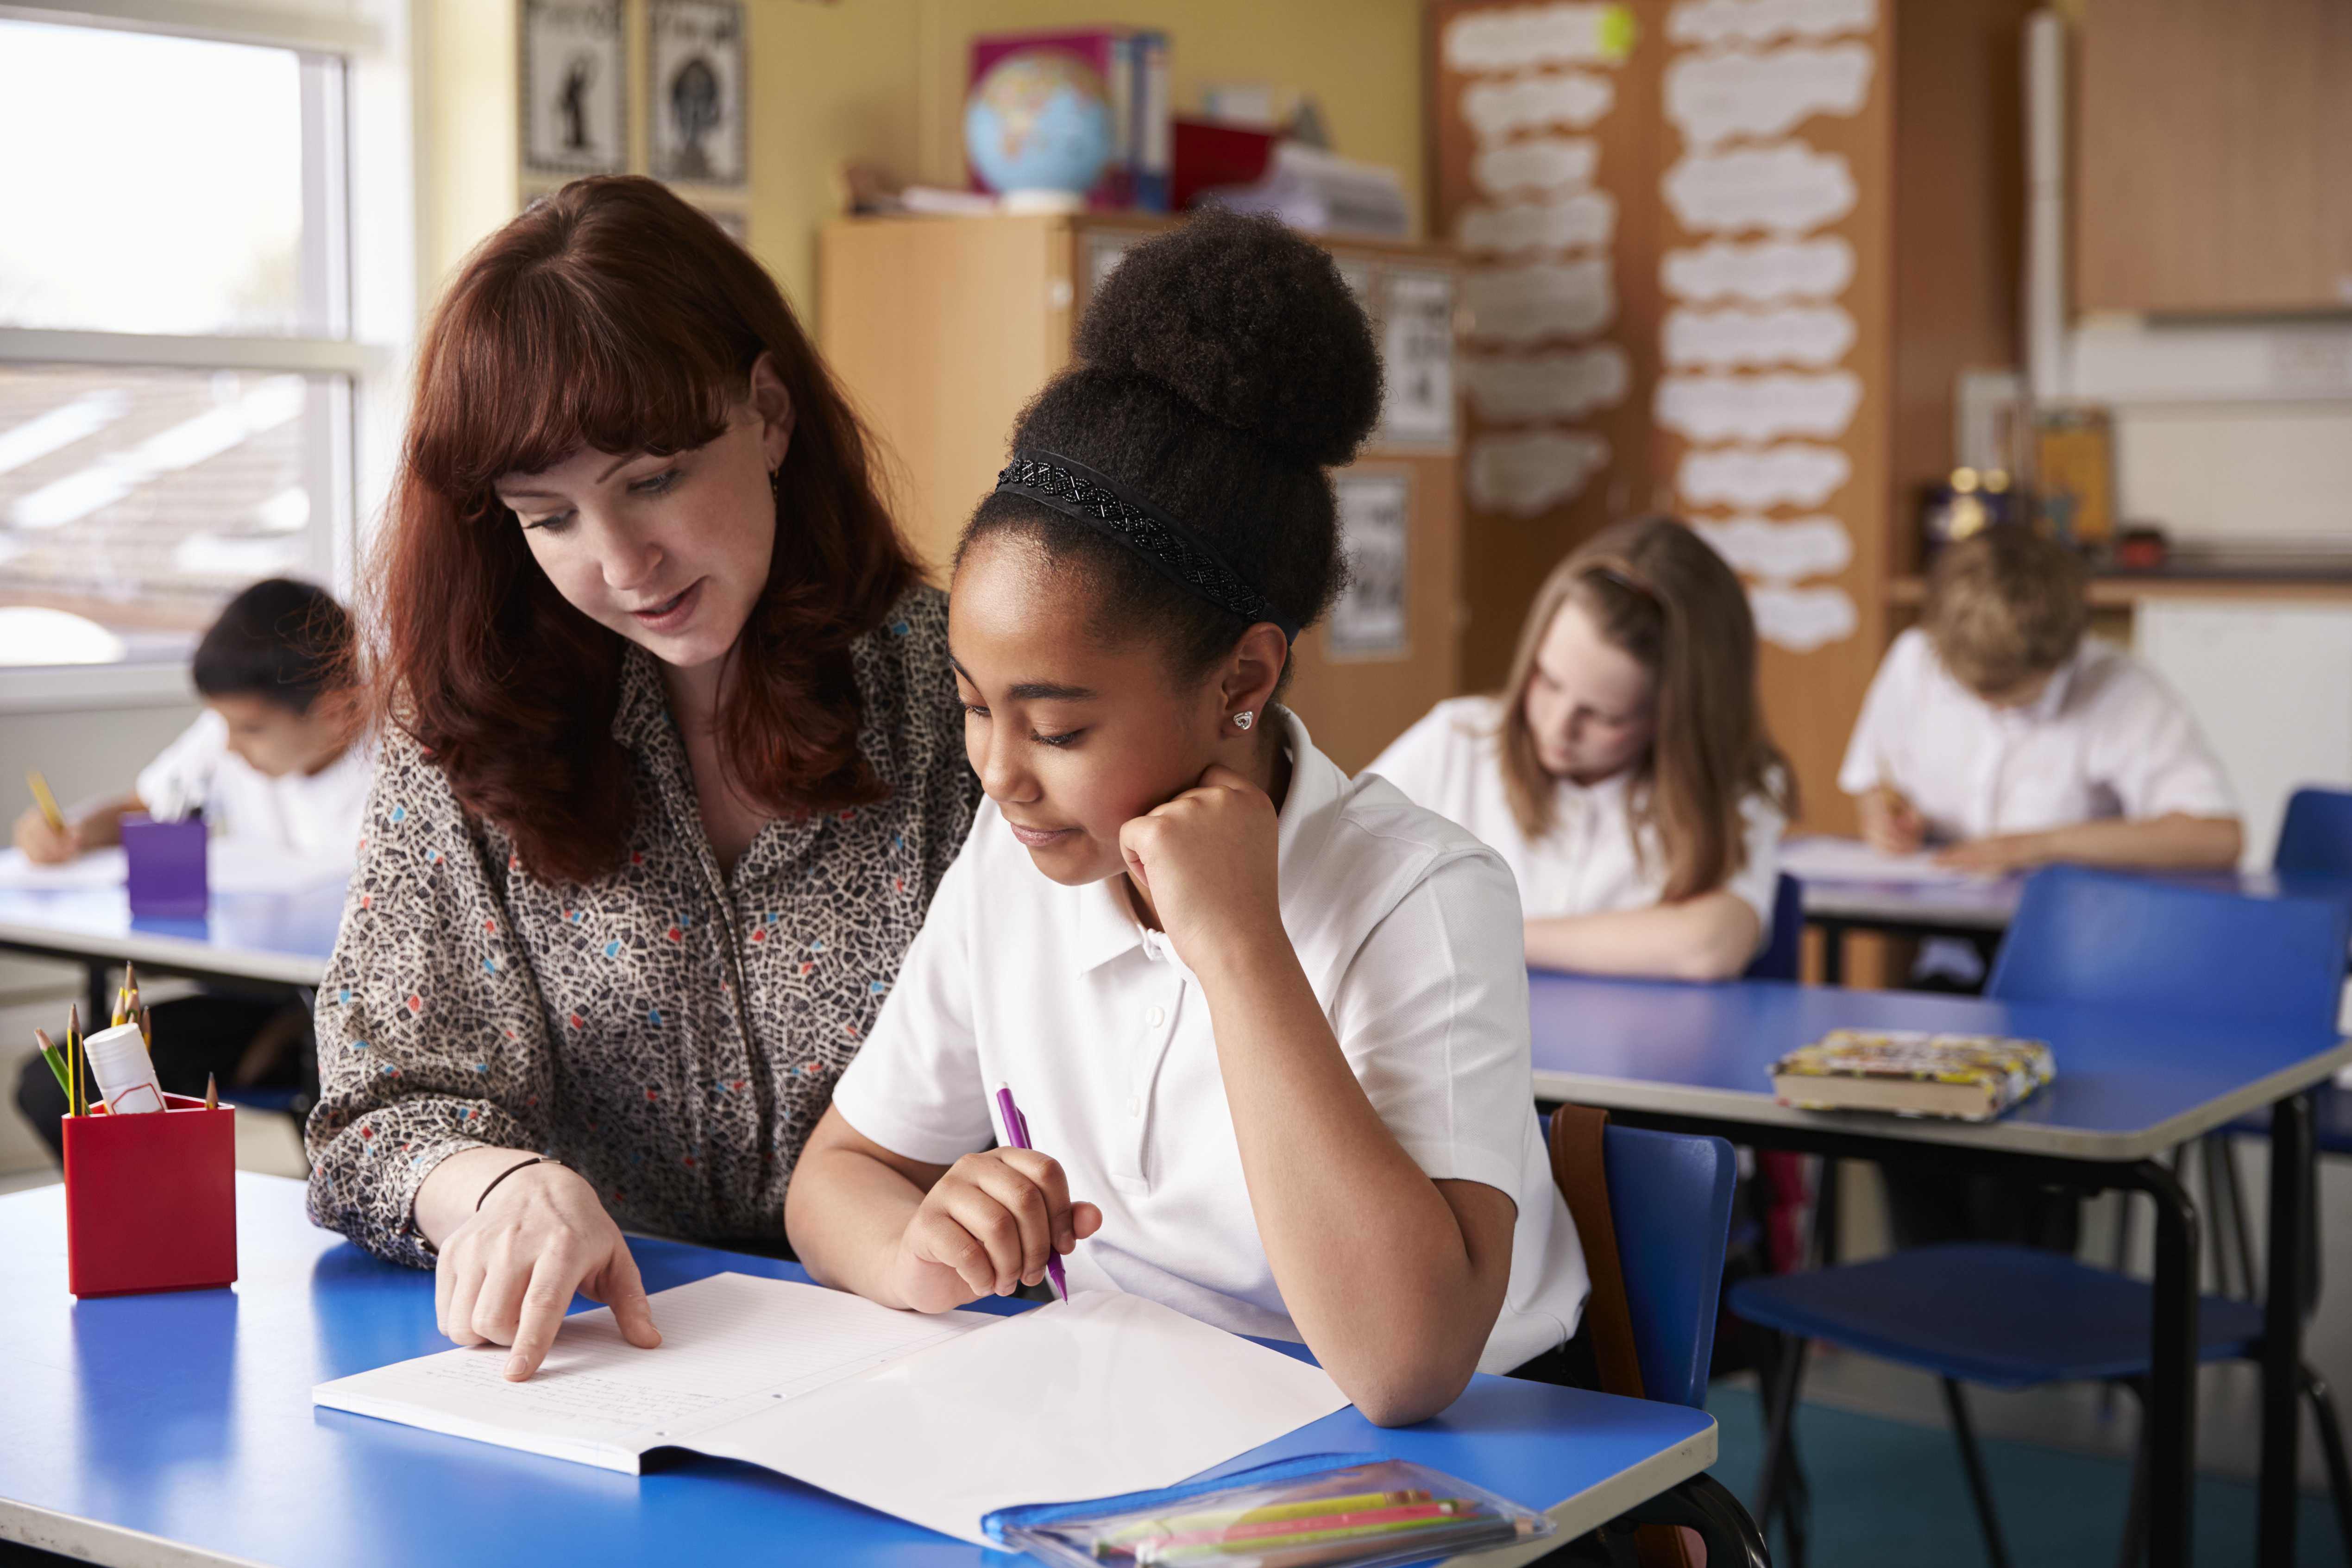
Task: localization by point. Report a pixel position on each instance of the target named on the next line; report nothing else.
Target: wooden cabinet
(942, 329)
(2211, 171)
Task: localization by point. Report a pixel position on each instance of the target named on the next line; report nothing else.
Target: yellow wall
(882, 81)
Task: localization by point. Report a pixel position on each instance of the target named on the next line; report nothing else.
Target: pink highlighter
(1016, 1131)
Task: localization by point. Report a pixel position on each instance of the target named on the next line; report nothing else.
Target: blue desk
(179, 1429)
(280, 938)
(1695, 1057)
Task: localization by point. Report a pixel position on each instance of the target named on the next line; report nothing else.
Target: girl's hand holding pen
(1207, 860)
(986, 1228)
(1890, 822)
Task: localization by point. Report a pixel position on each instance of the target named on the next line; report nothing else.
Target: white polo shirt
(315, 816)
(1407, 928)
(1594, 859)
(2106, 738)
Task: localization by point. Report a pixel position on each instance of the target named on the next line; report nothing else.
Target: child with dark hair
(275, 761)
(1267, 1025)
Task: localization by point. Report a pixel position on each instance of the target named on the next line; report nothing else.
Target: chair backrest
(1670, 1201)
(2104, 936)
(1778, 958)
(2316, 836)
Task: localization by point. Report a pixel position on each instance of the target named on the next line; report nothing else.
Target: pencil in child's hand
(45, 800)
(57, 1063)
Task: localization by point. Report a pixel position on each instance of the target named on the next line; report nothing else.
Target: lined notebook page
(732, 1345)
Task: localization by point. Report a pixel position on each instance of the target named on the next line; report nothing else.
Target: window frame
(368, 202)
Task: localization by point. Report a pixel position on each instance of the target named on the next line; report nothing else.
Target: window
(177, 366)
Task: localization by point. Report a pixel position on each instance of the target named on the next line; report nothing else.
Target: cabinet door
(2270, 686)
(2211, 171)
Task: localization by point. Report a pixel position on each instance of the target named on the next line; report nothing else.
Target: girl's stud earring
(1244, 718)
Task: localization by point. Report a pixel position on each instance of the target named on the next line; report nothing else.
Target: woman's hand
(1206, 860)
(44, 843)
(507, 1274)
(986, 1228)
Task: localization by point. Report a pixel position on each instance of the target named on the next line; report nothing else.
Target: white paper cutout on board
(1527, 472)
(1567, 384)
(1713, 98)
(1514, 38)
(1795, 473)
(1585, 221)
(1730, 407)
(1777, 552)
(1574, 99)
(1801, 619)
(1538, 163)
(1787, 186)
(1760, 269)
(1368, 618)
(1540, 299)
(1711, 22)
(1813, 335)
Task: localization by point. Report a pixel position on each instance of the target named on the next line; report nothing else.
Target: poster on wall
(1375, 520)
(697, 85)
(1417, 349)
(575, 88)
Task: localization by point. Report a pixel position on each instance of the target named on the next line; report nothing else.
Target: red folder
(151, 1201)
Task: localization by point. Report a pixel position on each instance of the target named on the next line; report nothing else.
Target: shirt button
(1158, 1018)
(1135, 1108)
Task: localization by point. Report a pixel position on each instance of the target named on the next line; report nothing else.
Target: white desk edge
(168, 951)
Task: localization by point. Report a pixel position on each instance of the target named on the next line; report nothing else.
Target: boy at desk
(1996, 730)
(276, 760)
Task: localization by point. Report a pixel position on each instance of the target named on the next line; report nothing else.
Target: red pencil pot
(151, 1201)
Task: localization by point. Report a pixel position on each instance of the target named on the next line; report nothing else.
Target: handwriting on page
(585, 1402)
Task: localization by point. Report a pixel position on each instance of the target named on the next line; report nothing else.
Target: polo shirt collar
(1107, 927)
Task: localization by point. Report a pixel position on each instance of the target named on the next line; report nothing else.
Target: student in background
(276, 760)
(1266, 1024)
(1997, 733)
(1623, 772)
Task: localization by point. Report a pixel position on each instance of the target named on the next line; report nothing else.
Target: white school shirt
(317, 816)
(1594, 859)
(1406, 928)
(2106, 738)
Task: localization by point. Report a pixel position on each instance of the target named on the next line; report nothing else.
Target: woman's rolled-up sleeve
(432, 1038)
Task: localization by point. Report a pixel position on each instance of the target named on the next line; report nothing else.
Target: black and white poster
(696, 87)
(1417, 349)
(1375, 522)
(575, 88)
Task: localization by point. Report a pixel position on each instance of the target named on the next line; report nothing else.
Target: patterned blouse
(671, 1033)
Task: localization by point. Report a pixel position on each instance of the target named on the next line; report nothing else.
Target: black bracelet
(511, 1170)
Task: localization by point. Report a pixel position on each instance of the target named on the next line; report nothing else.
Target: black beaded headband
(1177, 553)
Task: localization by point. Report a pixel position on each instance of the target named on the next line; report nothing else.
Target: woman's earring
(1244, 718)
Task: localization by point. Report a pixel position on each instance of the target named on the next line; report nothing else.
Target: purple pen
(1016, 1128)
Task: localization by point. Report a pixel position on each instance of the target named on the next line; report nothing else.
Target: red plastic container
(151, 1201)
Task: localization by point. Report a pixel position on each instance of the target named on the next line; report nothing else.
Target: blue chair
(1783, 950)
(2013, 1317)
(2317, 837)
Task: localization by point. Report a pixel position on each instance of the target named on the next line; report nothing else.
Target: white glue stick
(126, 1076)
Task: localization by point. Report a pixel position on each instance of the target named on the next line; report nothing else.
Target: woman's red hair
(613, 316)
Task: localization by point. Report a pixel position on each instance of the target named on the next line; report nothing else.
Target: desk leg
(1833, 951)
(2172, 1387)
(2283, 1307)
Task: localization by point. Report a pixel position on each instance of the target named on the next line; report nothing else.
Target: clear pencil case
(1318, 1510)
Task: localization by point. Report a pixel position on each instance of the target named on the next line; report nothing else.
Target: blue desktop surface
(282, 937)
(180, 1428)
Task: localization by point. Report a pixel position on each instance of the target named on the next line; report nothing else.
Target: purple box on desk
(166, 864)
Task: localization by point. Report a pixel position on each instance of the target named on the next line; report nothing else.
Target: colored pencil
(212, 1094)
(1351, 1519)
(73, 1059)
(45, 800)
(147, 1028)
(1432, 1536)
(1016, 1128)
(57, 1063)
(1309, 1508)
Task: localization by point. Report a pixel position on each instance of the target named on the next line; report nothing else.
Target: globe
(1039, 120)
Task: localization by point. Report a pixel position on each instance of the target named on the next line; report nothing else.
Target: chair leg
(2133, 1549)
(1774, 1490)
(2331, 1450)
(1704, 1504)
(1973, 1461)
(2227, 1205)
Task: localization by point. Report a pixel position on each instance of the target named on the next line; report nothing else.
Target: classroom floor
(1888, 1490)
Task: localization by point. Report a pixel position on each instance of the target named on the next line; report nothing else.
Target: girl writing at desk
(671, 767)
(1267, 1026)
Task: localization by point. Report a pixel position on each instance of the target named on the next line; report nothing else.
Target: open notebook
(879, 1406)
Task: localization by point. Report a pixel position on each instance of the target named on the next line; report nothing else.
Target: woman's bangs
(546, 373)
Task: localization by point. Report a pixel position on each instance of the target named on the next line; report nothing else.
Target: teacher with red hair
(672, 762)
